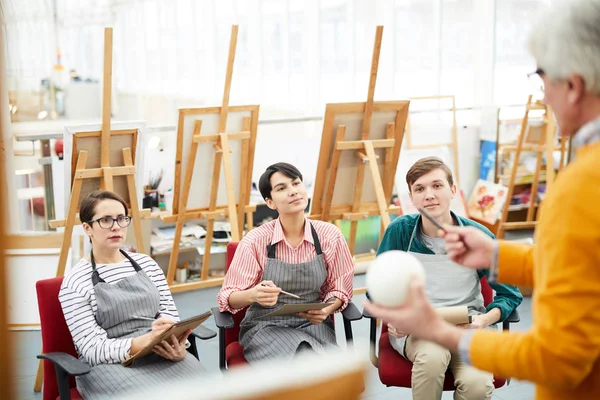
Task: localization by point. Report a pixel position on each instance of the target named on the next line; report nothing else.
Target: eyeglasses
(536, 80)
(108, 222)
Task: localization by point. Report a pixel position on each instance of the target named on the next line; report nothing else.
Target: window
(514, 19)
(458, 47)
(416, 48)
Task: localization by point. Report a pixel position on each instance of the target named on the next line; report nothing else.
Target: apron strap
(271, 247)
(270, 250)
(96, 278)
(316, 239)
(132, 261)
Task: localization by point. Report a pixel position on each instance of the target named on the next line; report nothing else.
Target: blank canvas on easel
(200, 187)
(87, 138)
(351, 116)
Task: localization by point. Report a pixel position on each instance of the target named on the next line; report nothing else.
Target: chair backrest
(56, 336)
(486, 291)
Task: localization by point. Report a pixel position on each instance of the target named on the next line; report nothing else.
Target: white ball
(389, 276)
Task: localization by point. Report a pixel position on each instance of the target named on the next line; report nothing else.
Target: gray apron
(117, 303)
(447, 284)
(276, 337)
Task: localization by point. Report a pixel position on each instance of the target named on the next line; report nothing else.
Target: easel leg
(73, 206)
(183, 199)
(245, 180)
(335, 163)
(249, 220)
(360, 178)
(210, 231)
(133, 200)
(231, 205)
(210, 228)
(39, 377)
(381, 200)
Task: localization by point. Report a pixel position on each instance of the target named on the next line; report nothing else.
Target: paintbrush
(284, 292)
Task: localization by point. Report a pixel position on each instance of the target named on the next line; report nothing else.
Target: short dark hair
(87, 208)
(425, 166)
(264, 183)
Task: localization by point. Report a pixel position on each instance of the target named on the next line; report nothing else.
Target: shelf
(214, 250)
(206, 283)
(168, 252)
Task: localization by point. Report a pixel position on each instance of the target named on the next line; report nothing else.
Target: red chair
(61, 363)
(395, 370)
(231, 352)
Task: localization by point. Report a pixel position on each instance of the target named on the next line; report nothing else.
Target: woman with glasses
(115, 303)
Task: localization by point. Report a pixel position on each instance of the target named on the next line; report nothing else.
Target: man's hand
(395, 332)
(415, 317)
(265, 293)
(482, 321)
(171, 348)
(468, 246)
(477, 322)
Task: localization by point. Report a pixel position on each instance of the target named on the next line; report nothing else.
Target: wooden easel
(106, 173)
(322, 205)
(545, 144)
(453, 145)
(234, 210)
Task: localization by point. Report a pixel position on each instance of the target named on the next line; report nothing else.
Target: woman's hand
(318, 316)
(315, 316)
(171, 348)
(265, 293)
(160, 325)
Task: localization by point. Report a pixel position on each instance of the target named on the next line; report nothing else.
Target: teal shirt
(397, 237)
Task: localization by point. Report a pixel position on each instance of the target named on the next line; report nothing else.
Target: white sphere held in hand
(389, 277)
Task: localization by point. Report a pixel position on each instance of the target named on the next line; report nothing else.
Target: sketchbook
(292, 309)
(177, 329)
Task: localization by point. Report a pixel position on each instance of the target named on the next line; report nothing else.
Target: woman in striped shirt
(115, 303)
(307, 258)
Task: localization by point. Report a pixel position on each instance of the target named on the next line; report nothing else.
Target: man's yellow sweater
(561, 352)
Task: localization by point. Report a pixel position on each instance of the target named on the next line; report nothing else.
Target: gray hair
(566, 41)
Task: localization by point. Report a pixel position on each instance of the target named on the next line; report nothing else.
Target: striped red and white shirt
(247, 266)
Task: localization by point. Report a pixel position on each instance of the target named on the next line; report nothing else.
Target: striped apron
(118, 305)
(275, 337)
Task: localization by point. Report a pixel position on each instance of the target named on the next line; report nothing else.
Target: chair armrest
(351, 312)
(67, 363)
(512, 318)
(223, 319)
(372, 338)
(203, 333)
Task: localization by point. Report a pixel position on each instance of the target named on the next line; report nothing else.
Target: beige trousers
(430, 362)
